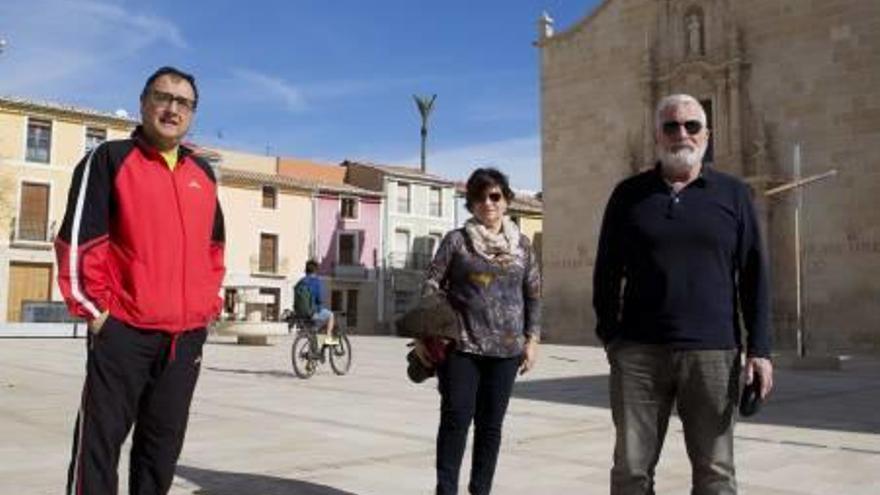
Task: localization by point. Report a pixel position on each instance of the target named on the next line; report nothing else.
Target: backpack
(303, 301)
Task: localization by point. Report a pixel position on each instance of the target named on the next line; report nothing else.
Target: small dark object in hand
(750, 401)
(422, 366)
(416, 369)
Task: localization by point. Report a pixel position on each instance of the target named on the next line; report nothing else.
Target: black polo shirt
(690, 263)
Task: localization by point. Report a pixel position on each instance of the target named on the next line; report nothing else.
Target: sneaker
(331, 341)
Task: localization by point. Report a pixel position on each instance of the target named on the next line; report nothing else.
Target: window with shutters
(268, 253)
(272, 300)
(347, 248)
(347, 301)
(336, 303)
(435, 206)
(39, 140)
(270, 197)
(230, 300)
(348, 208)
(403, 197)
(94, 137)
(33, 220)
(400, 256)
(351, 308)
(709, 157)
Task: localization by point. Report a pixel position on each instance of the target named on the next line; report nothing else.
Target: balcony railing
(351, 271)
(409, 260)
(31, 232)
(266, 268)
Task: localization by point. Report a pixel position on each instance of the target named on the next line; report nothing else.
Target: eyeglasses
(692, 127)
(493, 197)
(165, 99)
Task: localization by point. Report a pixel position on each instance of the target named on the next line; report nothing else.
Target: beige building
(40, 144)
(269, 220)
(773, 75)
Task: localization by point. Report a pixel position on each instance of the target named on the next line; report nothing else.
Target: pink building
(345, 240)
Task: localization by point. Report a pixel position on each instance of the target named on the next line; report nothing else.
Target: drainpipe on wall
(380, 266)
(313, 245)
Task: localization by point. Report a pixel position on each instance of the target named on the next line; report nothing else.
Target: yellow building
(40, 143)
(527, 210)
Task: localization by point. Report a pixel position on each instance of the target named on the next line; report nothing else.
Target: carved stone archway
(714, 73)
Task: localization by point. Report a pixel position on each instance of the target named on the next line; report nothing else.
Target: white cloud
(251, 85)
(272, 87)
(519, 158)
(54, 41)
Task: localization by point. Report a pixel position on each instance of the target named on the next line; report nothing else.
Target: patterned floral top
(499, 305)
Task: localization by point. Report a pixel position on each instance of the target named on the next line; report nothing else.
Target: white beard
(681, 162)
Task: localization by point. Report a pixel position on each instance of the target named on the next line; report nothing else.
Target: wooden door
(27, 282)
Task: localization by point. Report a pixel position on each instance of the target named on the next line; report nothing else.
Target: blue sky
(318, 79)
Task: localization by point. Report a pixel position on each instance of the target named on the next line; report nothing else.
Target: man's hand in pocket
(98, 323)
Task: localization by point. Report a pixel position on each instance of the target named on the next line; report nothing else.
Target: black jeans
(139, 377)
(477, 388)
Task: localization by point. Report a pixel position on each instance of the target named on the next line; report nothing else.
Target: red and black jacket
(142, 241)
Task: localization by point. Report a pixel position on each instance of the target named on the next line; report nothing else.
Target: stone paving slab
(256, 429)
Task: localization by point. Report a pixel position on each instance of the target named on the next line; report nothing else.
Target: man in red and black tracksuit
(140, 256)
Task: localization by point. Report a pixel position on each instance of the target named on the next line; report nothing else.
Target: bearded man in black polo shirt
(683, 242)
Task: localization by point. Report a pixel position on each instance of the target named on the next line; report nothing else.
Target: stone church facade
(775, 76)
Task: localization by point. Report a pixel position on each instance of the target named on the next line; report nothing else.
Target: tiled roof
(69, 109)
(247, 176)
(317, 172)
(401, 171)
(291, 182)
(323, 177)
(526, 203)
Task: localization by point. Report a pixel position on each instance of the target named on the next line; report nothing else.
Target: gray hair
(674, 101)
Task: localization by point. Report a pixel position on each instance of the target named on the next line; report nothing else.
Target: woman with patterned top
(489, 273)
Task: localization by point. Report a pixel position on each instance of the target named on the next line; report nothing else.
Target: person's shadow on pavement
(226, 483)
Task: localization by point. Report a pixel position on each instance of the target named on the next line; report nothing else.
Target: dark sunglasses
(493, 197)
(692, 127)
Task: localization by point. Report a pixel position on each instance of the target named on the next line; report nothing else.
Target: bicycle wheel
(340, 356)
(300, 354)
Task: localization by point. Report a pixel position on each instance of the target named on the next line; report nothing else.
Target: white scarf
(502, 248)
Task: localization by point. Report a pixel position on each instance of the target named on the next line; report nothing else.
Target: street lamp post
(425, 106)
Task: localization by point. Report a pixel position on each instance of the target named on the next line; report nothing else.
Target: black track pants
(140, 377)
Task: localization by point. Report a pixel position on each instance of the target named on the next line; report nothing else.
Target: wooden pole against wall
(797, 186)
(799, 305)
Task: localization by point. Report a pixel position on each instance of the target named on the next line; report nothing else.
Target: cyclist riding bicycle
(308, 303)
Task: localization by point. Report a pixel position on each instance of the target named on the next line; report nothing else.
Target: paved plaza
(256, 429)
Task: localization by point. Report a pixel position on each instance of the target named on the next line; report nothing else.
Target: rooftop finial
(545, 26)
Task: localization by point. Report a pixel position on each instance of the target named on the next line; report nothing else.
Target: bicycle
(306, 353)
